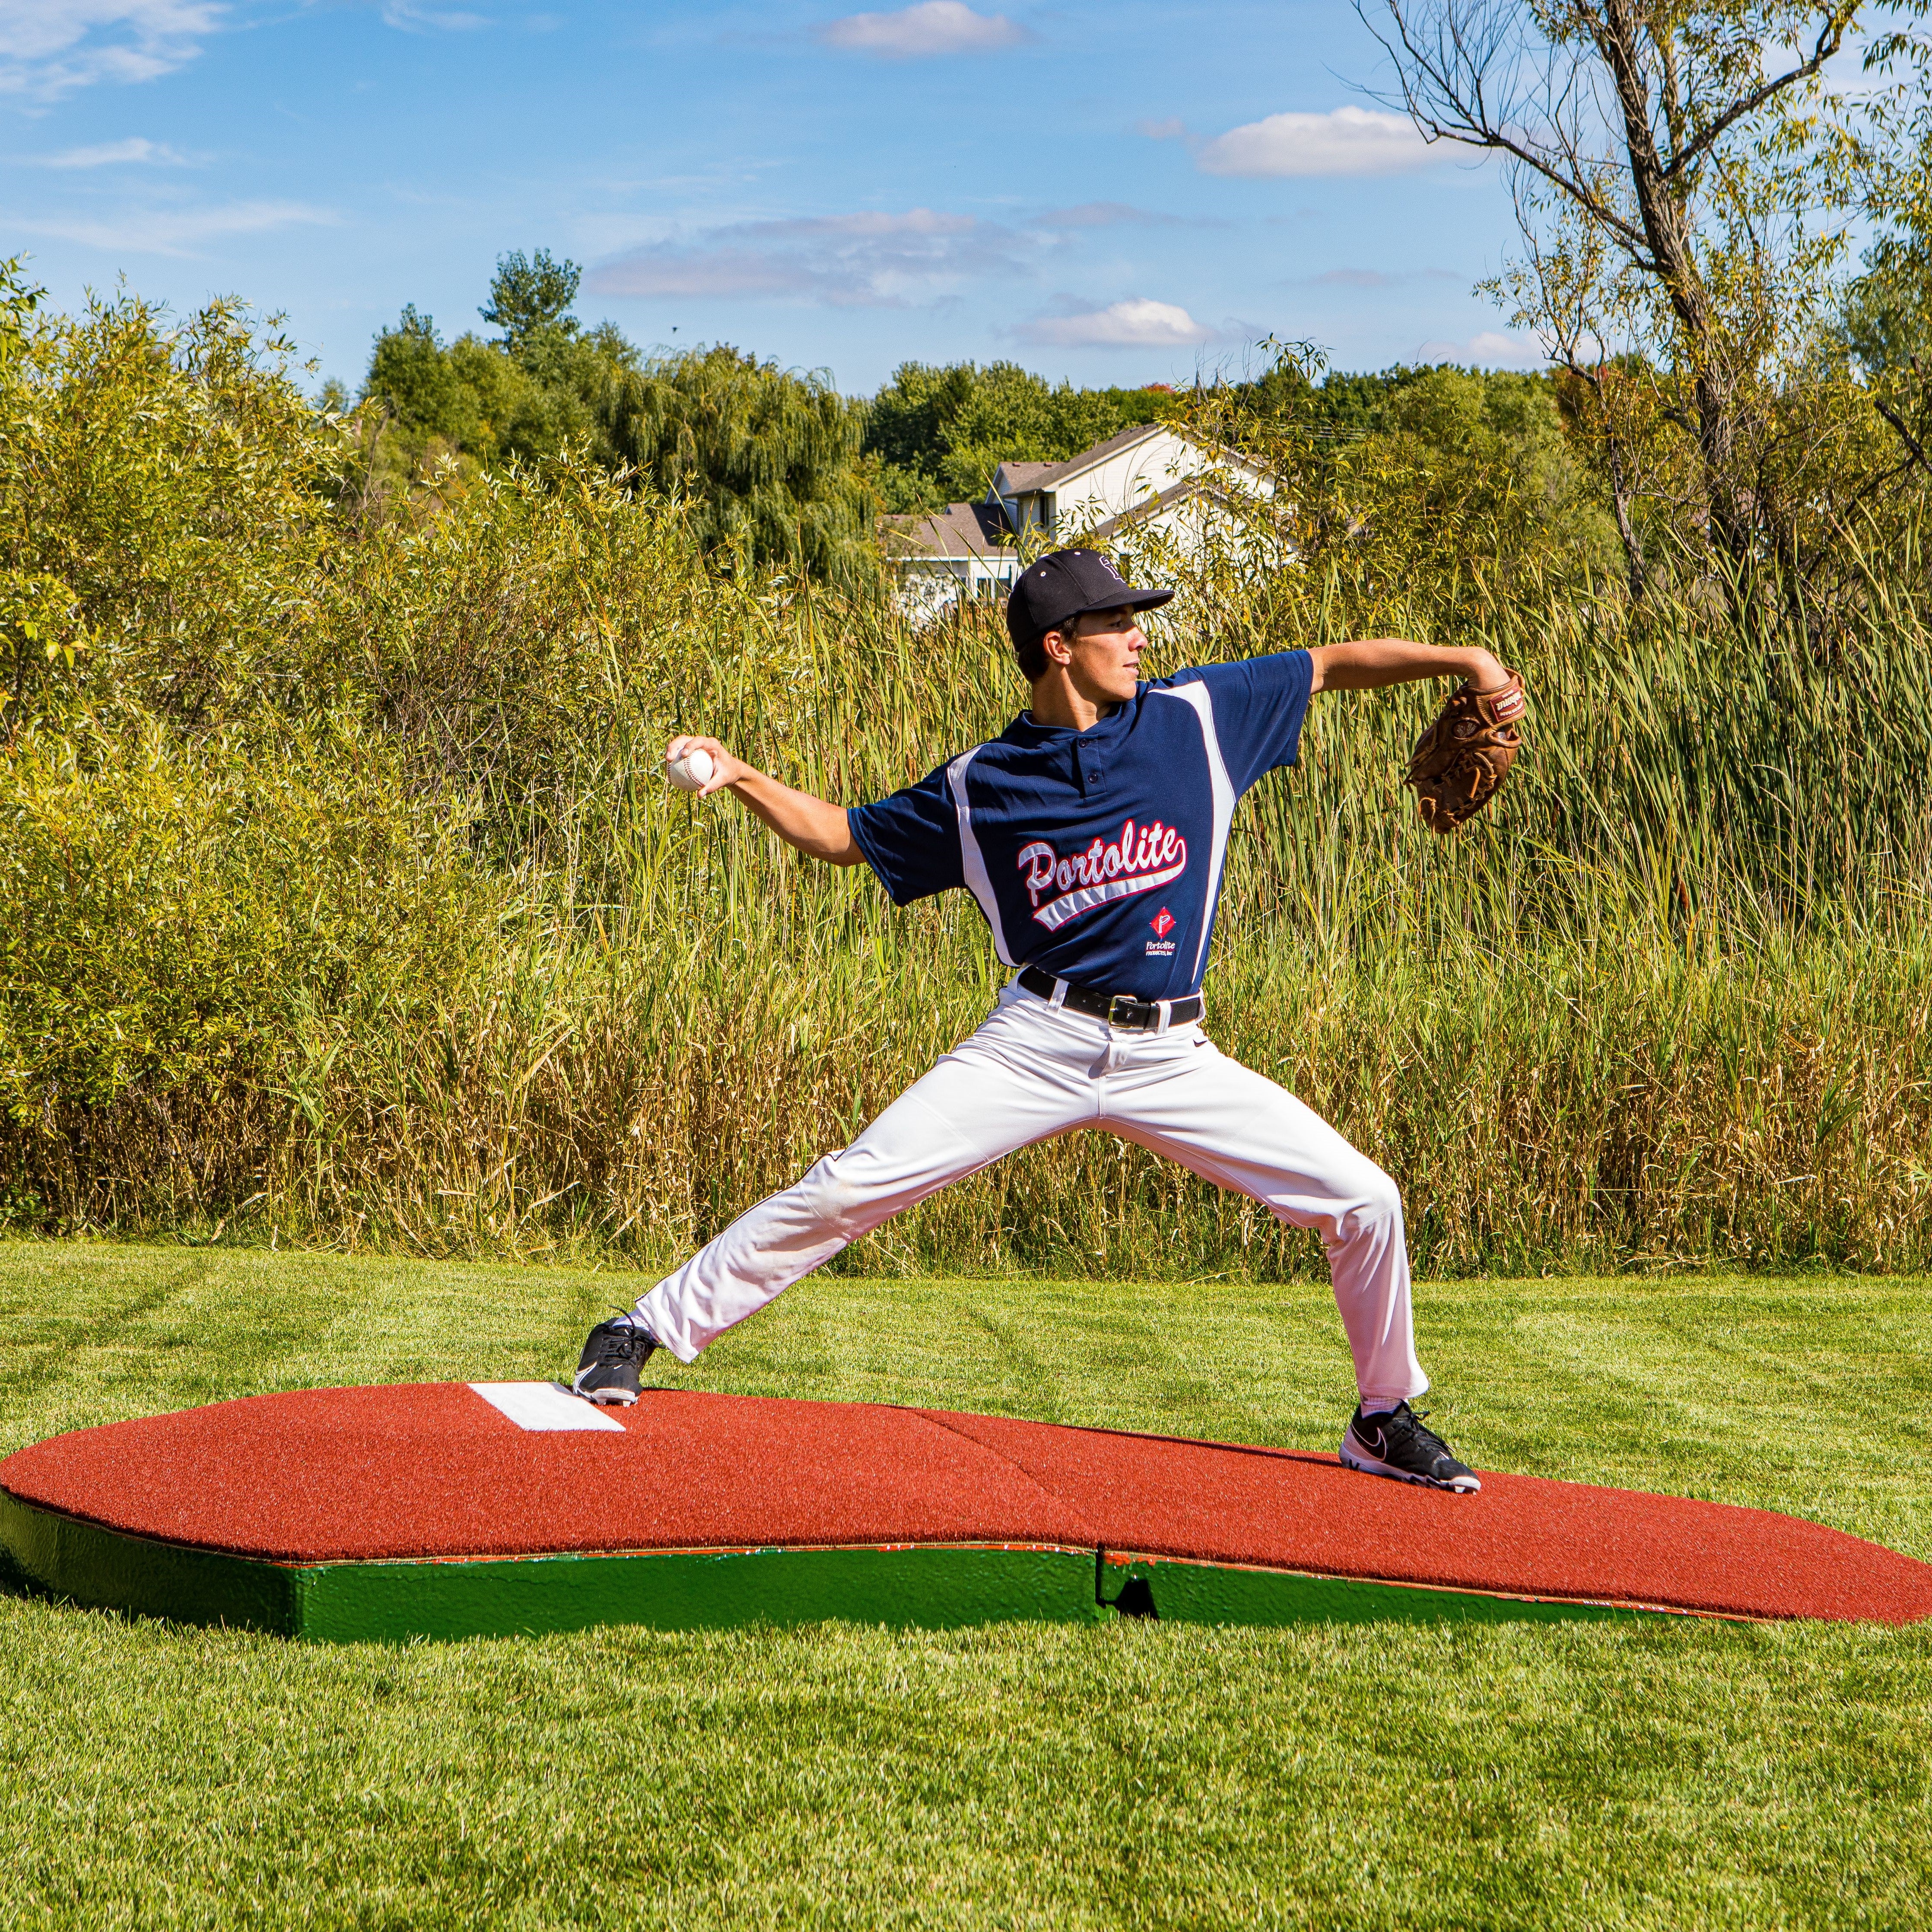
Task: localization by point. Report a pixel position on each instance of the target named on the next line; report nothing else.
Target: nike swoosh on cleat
(1360, 1461)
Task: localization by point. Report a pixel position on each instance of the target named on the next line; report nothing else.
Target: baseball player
(1093, 832)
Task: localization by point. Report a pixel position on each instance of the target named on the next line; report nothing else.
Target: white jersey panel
(1222, 789)
(972, 861)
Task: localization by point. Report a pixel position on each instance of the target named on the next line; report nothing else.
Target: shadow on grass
(14, 1581)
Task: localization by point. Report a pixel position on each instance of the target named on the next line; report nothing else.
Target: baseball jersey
(1097, 855)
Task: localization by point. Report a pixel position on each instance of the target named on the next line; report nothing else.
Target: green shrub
(172, 481)
(187, 926)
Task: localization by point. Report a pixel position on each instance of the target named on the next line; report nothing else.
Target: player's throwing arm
(703, 766)
(1091, 833)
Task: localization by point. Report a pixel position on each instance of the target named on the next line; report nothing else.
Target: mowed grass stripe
(1028, 1775)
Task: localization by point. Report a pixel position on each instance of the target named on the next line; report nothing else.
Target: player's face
(1105, 653)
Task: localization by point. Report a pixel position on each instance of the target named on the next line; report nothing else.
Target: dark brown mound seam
(347, 1475)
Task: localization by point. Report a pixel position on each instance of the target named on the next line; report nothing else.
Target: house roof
(960, 529)
(1022, 477)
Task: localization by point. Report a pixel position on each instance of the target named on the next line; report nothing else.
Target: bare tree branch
(1911, 442)
(1831, 38)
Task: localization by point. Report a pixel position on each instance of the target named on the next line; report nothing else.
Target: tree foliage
(1437, 490)
(163, 512)
(768, 461)
(1885, 326)
(528, 295)
(432, 414)
(940, 432)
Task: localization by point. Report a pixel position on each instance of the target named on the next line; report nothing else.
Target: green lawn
(1669, 1775)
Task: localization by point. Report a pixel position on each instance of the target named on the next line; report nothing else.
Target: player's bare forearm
(1369, 663)
(816, 827)
(812, 825)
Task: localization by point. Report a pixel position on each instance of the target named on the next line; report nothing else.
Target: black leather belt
(1118, 1009)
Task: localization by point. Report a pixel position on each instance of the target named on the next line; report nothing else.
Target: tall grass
(1668, 1003)
(389, 932)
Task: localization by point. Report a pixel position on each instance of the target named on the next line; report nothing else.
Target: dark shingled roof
(960, 529)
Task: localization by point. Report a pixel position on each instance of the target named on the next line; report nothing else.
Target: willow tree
(1685, 173)
(768, 461)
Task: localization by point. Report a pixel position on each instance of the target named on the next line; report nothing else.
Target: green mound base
(1183, 1590)
(925, 1586)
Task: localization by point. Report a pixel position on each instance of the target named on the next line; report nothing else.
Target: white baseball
(691, 772)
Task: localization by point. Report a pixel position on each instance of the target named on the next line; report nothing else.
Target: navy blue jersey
(1097, 855)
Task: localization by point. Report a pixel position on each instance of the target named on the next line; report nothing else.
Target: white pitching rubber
(691, 772)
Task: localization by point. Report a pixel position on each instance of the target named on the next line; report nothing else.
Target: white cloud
(932, 27)
(871, 259)
(1350, 141)
(180, 231)
(1490, 349)
(1172, 129)
(409, 18)
(133, 152)
(50, 47)
(1136, 323)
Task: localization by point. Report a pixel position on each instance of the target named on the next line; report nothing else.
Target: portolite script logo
(1141, 859)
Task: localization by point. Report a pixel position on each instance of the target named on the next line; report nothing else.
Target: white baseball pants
(1034, 1070)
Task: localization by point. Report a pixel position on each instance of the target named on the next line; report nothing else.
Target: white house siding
(929, 587)
(1121, 482)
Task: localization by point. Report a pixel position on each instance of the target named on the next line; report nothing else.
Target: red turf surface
(347, 1474)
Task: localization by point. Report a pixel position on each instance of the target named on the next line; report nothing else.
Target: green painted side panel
(109, 1571)
(932, 1587)
(929, 1587)
(1173, 1589)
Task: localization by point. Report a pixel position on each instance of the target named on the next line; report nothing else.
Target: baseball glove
(1459, 763)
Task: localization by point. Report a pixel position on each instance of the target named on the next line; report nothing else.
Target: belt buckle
(1116, 1018)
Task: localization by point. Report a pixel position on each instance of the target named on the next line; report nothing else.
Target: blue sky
(1115, 194)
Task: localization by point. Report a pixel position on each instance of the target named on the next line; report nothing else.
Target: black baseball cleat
(612, 1356)
(1396, 1443)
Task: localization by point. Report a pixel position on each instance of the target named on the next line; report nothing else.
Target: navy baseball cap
(1065, 583)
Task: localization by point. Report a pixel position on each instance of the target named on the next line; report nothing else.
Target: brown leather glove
(1458, 764)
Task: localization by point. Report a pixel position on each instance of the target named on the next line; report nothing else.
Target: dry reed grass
(1668, 1006)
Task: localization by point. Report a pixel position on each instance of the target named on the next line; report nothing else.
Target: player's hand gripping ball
(691, 772)
(1459, 764)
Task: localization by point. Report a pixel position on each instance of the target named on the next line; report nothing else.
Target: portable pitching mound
(464, 1510)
